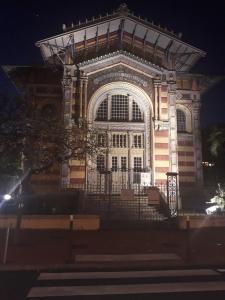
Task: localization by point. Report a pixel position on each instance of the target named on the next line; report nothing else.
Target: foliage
(217, 140)
(218, 201)
(10, 112)
(213, 142)
(39, 141)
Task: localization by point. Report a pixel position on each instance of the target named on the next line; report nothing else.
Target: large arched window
(119, 108)
(181, 121)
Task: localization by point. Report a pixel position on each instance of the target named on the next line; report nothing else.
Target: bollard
(70, 242)
(71, 222)
(188, 245)
(188, 222)
(6, 245)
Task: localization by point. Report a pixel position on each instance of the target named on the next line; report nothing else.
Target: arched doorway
(121, 113)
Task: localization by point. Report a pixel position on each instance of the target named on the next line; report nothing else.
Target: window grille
(119, 108)
(119, 141)
(181, 121)
(102, 140)
(100, 163)
(137, 141)
(102, 113)
(137, 170)
(136, 112)
(137, 164)
(123, 163)
(114, 163)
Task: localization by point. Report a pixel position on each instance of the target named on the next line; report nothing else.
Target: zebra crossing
(127, 284)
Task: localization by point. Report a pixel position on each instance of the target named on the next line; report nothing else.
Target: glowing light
(208, 164)
(7, 197)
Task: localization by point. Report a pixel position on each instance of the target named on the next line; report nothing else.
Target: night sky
(202, 23)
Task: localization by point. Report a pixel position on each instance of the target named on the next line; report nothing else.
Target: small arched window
(181, 121)
(102, 112)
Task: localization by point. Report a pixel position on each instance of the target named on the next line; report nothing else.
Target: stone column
(155, 102)
(67, 85)
(197, 141)
(85, 97)
(173, 128)
(159, 101)
(81, 98)
(143, 136)
(108, 145)
(73, 102)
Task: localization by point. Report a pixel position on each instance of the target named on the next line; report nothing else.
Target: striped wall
(77, 173)
(161, 142)
(161, 159)
(186, 161)
(46, 182)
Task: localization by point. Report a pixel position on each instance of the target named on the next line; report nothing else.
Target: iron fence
(127, 195)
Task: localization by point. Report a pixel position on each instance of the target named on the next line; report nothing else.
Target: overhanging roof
(186, 55)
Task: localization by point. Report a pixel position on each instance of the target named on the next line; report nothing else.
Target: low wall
(199, 221)
(80, 222)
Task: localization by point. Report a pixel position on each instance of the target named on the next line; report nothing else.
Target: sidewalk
(42, 249)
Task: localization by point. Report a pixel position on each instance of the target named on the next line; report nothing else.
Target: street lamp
(7, 197)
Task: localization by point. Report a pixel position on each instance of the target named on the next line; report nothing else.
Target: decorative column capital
(161, 125)
(157, 82)
(172, 88)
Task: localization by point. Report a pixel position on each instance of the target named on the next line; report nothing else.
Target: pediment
(119, 73)
(121, 58)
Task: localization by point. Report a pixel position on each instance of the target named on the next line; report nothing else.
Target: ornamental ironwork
(172, 193)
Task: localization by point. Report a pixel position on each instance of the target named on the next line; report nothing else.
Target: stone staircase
(113, 208)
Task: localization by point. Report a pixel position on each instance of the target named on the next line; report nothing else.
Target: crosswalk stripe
(126, 274)
(126, 257)
(62, 291)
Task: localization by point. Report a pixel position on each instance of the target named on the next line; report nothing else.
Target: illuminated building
(131, 79)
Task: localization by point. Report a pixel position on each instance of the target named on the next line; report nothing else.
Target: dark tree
(214, 152)
(32, 142)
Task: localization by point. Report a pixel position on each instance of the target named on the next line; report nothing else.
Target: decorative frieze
(120, 76)
(125, 53)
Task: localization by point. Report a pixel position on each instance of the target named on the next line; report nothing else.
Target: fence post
(172, 193)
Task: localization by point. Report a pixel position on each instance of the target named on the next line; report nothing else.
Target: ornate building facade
(131, 80)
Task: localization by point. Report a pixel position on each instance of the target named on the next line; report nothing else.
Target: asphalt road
(185, 284)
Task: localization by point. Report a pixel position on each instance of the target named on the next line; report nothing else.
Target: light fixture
(7, 197)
